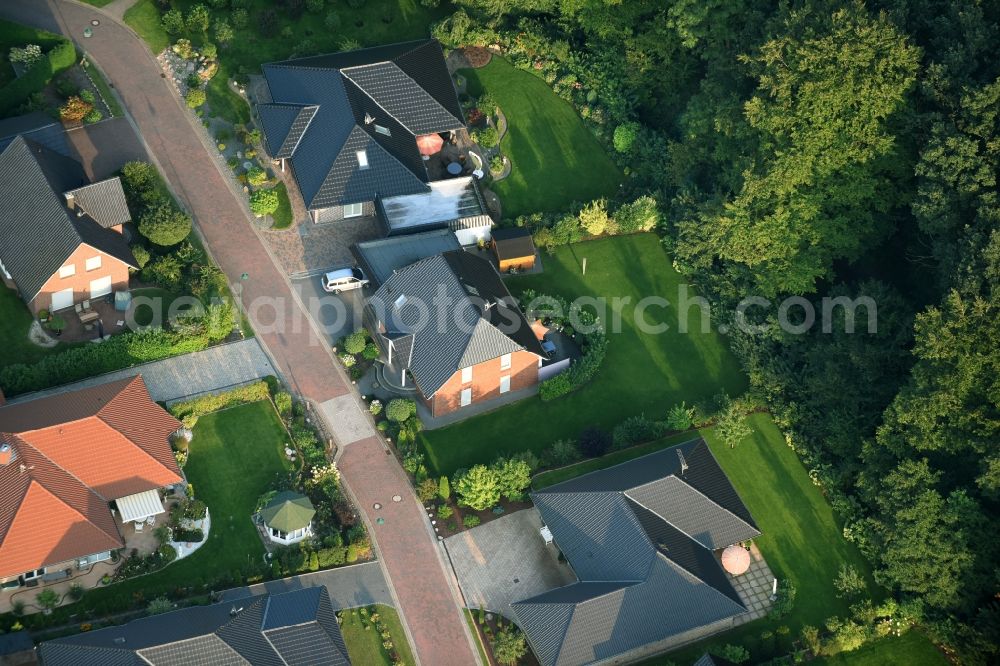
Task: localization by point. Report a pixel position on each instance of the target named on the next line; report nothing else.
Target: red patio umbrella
(429, 144)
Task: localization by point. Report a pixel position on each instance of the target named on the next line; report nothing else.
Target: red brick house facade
(490, 379)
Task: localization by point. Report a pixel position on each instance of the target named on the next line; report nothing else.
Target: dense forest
(822, 149)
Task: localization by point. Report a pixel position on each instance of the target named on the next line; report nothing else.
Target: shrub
(355, 4)
(164, 225)
(93, 117)
(513, 478)
(256, 176)
(635, 430)
(195, 98)
(159, 605)
(184, 535)
(444, 511)
(488, 103)
(27, 87)
(141, 255)
(478, 488)
(444, 489)
(680, 417)
(731, 423)
(496, 163)
(734, 653)
(75, 592)
(267, 21)
(263, 202)
(371, 351)
(332, 21)
(643, 214)
(315, 6)
(594, 442)
(375, 407)
(509, 646)
(594, 217)
(471, 520)
(487, 138)
(75, 109)
(355, 342)
(47, 599)
(625, 136)
(27, 56)
(188, 411)
(400, 409)
(139, 177)
(240, 19)
(347, 360)
(197, 19)
(283, 403)
(562, 452)
(172, 22)
(165, 271)
(210, 50)
(88, 96)
(331, 557)
(427, 490)
(223, 31)
(849, 582)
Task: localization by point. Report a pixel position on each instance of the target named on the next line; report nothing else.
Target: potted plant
(43, 315)
(57, 324)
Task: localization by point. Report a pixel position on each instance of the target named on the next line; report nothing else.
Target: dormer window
(362, 159)
(383, 130)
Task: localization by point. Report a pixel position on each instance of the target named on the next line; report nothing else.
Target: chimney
(7, 454)
(70, 200)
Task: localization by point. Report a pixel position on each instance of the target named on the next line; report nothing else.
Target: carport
(506, 560)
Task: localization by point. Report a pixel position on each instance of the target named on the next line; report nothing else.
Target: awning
(140, 506)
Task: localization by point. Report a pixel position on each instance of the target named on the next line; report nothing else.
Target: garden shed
(288, 517)
(514, 249)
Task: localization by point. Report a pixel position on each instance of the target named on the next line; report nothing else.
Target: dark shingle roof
(37, 230)
(381, 258)
(326, 108)
(513, 243)
(38, 127)
(483, 322)
(640, 537)
(297, 627)
(104, 201)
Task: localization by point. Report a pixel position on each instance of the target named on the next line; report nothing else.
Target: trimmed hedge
(189, 410)
(121, 351)
(61, 56)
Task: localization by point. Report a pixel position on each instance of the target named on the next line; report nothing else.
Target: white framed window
(467, 375)
(505, 362)
(67, 271)
(354, 210)
(466, 398)
(93, 263)
(504, 383)
(362, 159)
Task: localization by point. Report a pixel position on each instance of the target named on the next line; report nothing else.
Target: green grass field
(283, 216)
(365, 645)
(15, 320)
(144, 18)
(235, 455)
(910, 649)
(642, 373)
(546, 142)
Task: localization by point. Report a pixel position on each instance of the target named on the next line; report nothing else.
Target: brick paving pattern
(311, 248)
(426, 596)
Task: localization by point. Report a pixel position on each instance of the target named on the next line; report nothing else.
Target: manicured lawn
(476, 637)
(642, 373)
(910, 649)
(556, 160)
(283, 216)
(144, 18)
(365, 645)
(113, 106)
(98, 3)
(235, 455)
(15, 320)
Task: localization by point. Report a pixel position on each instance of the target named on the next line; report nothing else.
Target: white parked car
(344, 280)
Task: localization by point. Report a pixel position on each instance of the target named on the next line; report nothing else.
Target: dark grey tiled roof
(513, 243)
(38, 127)
(481, 323)
(103, 201)
(381, 258)
(321, 104)
(640, 537)
(37, 231)
(300, 627)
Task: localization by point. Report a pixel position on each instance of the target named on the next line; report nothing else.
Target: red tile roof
(69, 456)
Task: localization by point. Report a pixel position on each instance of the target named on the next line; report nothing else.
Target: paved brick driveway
(425, 597)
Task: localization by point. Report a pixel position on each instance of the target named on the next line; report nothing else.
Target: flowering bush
(27, 56)
(375, 408)
(348, 360)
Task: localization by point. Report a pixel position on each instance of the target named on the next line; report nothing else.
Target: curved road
(425, 590)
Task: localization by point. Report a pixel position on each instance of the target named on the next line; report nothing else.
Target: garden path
(427, 595)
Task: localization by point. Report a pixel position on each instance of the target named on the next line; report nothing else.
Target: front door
(466, 397)
(62, 299)
(100, 287)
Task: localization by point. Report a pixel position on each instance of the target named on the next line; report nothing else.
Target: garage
(62, 299)
(100, 287)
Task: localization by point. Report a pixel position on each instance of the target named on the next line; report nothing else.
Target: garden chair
(138, 525)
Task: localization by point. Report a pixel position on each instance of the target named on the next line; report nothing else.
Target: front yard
(365, 642)
(546, 142)
(642, 372)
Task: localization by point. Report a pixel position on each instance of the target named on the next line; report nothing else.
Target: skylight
(362, 159)
(383, 130)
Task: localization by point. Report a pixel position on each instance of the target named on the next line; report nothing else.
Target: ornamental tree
(263, 202)
(164, 225)
(478, 489)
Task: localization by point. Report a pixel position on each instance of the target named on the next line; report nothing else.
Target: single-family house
(270, 629)
(359, 131)
(448, 325)
(288, 518)
(644, 539)
(61, 237)
(65, 460)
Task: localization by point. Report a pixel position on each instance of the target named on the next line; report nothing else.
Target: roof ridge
(666, 520)
(706, 583)
(116, 536)
(693, 489)
(343, 72)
